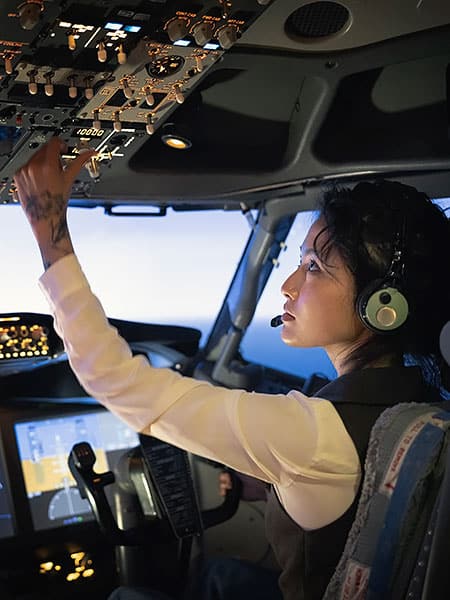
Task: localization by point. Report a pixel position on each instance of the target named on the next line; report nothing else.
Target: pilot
(369, 289)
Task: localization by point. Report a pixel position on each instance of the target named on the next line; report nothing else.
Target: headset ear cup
(381, 307)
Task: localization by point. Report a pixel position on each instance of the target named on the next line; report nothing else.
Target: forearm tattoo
(49, 209)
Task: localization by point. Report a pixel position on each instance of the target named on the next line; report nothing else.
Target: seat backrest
(404, 470)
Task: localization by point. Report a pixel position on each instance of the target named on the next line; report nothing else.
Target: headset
(381, 305)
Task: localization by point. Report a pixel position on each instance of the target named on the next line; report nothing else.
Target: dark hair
(362, 224)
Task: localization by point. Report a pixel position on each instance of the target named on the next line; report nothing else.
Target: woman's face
(320, 302)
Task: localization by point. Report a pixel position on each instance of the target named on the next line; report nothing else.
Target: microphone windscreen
(276, 321)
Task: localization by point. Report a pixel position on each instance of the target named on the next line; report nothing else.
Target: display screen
(6, 516)
(44, 446)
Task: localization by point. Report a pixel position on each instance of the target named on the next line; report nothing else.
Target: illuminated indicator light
(88, 573)
(211, 46)
(72, 576)
(29, 353)
(175, 142)
(132, 28)
(47, 566)
(65, 24)
(44, 351)
(8, 355)
(79, 569)
(114, 26)
(182, 43)
(15, 354)
(57, 567)
(22, 353)
(1, 356)
(3, 319)
(77, 557)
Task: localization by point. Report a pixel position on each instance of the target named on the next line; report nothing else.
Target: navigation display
(6, 517)
(44, 446)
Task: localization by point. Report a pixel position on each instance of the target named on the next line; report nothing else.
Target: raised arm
(43, 187)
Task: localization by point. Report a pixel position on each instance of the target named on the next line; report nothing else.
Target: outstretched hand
(43, 188)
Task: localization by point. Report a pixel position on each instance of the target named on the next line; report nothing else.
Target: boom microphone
(276, 321)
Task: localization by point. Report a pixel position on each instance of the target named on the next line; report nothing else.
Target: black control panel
(103, 74)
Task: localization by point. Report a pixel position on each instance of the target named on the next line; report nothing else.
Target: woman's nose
(291, 286)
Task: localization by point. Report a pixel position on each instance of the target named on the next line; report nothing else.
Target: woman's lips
(287, 317)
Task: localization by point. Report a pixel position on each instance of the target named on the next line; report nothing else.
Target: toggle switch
(149, 97)
(150, 126)
(93, 167)
(73, 90)
(71, 41)
(199, 63)
(117, 124)
(102, 55)
(96, 123)
(179, 96)
(88, 89)
(32, 85)
(48, 86)
(121, 55)
(128, 92)
(8, 65)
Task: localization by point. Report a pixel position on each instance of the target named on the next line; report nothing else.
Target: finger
(77, 164)
(53, 150)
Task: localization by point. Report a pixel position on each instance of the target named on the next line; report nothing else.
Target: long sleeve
(297, 443)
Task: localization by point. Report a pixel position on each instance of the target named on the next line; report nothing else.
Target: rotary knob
(29, 13)
(227, 36)
(177, 29)
(202, 32)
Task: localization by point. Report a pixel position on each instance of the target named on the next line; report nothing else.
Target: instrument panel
(103, 74)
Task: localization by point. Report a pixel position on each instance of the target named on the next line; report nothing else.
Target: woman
(309, 449)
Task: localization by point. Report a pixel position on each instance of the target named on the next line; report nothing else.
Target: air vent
(317, 20)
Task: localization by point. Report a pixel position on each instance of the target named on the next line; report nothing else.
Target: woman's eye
(312, 266)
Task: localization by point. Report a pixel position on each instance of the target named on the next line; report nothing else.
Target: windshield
(171, 270)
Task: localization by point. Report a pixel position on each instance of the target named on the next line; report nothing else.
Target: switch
(121, 55)
(202, 32)
(179, 96)
(101, 52)
(96, 124)
(150, 127)
(227, 36)
(128, 92)
(32, 85)
(117, 124)
(88, 89)
(73, 91)
(8, 65)
(48, 86)
(149, 97)
(71, 41)
(177, 29)
(29, 13)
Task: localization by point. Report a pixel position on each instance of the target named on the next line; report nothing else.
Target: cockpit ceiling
(266, 97)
